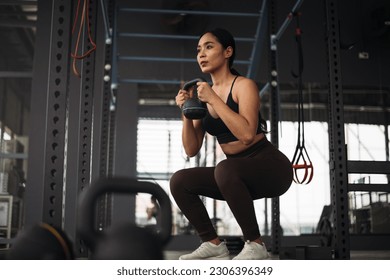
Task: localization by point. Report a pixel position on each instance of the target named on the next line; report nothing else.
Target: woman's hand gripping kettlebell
(193, 108)
(205, 92)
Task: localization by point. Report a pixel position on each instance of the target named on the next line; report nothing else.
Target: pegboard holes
(53, 159)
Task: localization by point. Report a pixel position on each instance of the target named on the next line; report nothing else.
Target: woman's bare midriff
(236, 147)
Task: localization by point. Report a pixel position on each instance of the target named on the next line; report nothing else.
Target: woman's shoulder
(245, 84)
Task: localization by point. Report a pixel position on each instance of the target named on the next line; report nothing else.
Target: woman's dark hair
(263, 124)
(227, 40)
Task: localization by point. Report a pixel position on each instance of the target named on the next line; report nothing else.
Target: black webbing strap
(301, 159)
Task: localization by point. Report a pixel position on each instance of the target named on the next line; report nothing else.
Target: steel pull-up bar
(168, 59)
(188, 12)
(174, 37)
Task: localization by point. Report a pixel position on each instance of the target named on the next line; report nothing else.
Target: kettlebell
(124, 241)
(41, 242)
(193, 108)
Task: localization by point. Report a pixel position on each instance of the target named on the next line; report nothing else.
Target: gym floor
(355, 255)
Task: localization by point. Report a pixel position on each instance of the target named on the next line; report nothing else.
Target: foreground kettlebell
(124, 241)
(41, 242)
(193, 108)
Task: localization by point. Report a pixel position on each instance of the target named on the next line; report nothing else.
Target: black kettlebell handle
(85, 222)
(192, 83)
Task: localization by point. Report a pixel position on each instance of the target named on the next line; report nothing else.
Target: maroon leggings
(260, 171)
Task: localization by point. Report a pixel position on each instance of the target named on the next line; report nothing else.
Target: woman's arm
(243, 125)
(192, 132)
(192, 136)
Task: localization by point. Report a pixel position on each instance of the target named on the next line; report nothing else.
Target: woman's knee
(177, 181)
(225, 172)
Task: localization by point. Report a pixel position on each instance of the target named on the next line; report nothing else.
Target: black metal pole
(44, 196)
(337, 149)
(274, 118)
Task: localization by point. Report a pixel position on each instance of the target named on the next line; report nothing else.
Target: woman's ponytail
(234, 72)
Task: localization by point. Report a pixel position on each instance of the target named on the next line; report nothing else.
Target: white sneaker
(253, 251)
(208, 251)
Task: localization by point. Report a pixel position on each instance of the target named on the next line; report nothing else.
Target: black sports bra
(216, 127)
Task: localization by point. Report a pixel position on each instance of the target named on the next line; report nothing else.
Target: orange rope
(84, 14)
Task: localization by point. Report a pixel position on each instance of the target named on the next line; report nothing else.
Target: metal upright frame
(69, 137)
(45, 190)
(275, 36)
(122, 132)
(87, 124)
(102, 112)
(337, 150)
(339, 165)
(274, 120)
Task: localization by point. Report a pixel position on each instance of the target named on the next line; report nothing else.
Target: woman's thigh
(196, 180)
(266, 175)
